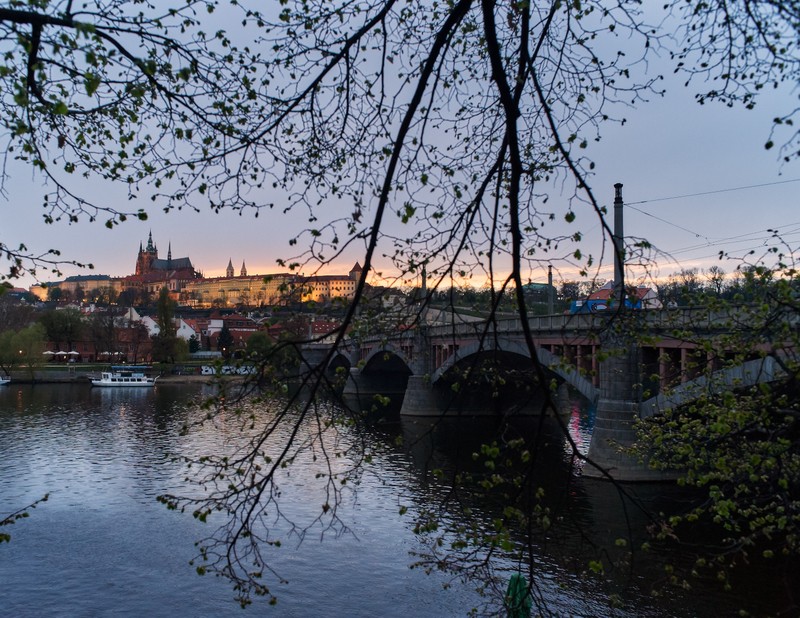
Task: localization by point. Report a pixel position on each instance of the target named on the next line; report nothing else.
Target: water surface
(102, 545)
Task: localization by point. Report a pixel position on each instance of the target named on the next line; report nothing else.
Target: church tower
(146, 257)
(243, 272)
(355, 272)
(229, 270)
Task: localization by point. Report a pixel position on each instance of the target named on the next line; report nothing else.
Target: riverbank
(77, 376)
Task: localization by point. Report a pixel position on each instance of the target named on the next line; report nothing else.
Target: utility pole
(619, 248)
(550, 290)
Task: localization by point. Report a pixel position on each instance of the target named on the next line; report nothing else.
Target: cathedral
(152, 273)
(148, 261)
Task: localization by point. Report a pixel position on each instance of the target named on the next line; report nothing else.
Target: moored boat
(4, 381)
(124, 376)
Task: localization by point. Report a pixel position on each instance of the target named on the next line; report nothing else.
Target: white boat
(4, 381)
(124, 376)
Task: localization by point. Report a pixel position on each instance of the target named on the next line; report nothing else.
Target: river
(101, 545)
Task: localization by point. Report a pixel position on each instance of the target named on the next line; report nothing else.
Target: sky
(697, 180)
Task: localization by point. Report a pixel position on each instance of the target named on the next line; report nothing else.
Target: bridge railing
(653, 320)
(544, 323)
(665, 322)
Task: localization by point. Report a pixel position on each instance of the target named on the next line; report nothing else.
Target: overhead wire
(698, 194)
(701, 193)
(710, 242)
(760, 237)
(740, 238)
(680, 227)
(761, 242)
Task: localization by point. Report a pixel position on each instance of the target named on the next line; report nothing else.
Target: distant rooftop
(88, 278)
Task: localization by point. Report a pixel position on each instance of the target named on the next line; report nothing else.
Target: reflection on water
(102, 546)
(581, 422)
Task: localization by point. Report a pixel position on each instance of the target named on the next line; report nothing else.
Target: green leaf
(91, 82)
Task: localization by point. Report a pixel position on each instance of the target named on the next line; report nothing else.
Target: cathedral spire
(140, 260)
(243, 273)
(150, 247)
(169, 255)
(229, 270)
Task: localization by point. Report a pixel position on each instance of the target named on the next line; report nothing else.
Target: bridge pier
(617, 411)
(360, 390)
(420, 399)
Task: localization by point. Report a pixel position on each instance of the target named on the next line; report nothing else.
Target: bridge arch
(382, 351)
(384, 371)
(476, 347)
(553, 363)
(339, 359)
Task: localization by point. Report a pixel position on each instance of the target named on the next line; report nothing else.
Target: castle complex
(188, 287)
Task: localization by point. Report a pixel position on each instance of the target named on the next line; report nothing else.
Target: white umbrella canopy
(73, 353)
(48, 353)
(61, 353)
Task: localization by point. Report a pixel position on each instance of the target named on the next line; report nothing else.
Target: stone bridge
(475, 368)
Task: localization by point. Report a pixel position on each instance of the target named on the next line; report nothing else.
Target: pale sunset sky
(697, 180)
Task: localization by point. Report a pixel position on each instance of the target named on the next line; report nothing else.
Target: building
(323, 288)
(231, 291)
(640, 297)
(184, 329)
(268, 290)
(153, 273)
(78, 287)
